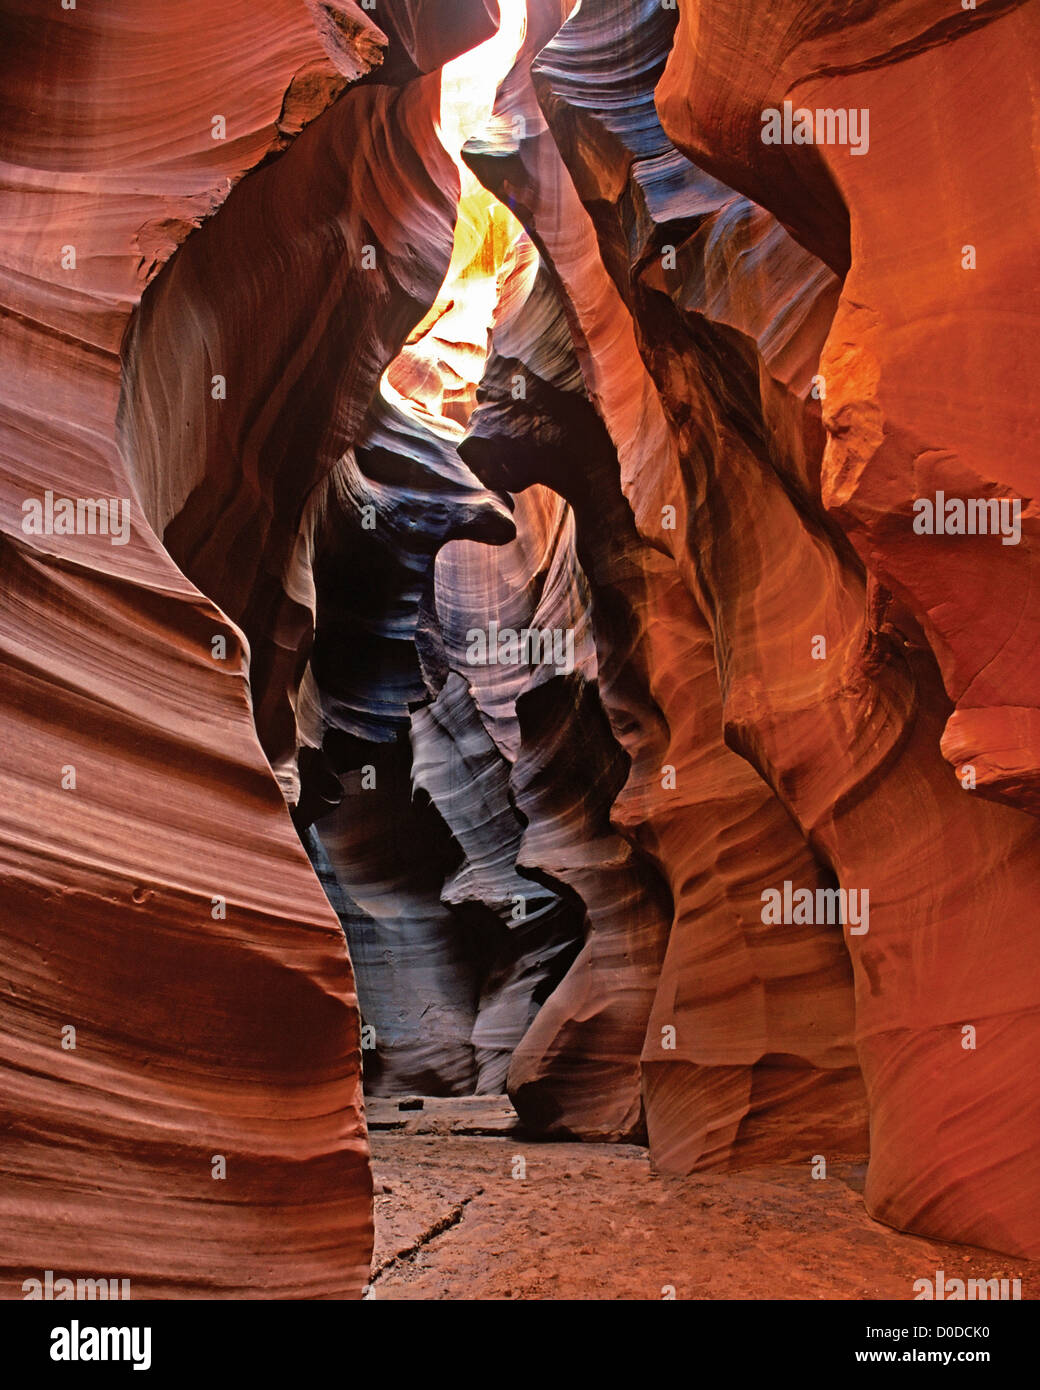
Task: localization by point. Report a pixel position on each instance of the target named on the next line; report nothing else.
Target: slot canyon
(519, 674)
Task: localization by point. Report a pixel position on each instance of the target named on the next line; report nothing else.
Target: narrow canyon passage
(536, 805)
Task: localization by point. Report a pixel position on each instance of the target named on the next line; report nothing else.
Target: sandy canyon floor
(593, 1221)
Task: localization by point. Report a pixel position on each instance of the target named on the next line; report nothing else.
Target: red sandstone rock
(203, 1027)
(736, 1060)
(928, 379)
(850, 743)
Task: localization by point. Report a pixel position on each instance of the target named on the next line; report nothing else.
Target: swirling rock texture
(621, 375)
(455, 949)
(724, 1029)
(845, 740)
(926, 363)
(156, 899)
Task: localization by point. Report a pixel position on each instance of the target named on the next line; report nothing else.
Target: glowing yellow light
(435, 377)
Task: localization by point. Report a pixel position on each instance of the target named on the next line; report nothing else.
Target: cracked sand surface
(592, 1221)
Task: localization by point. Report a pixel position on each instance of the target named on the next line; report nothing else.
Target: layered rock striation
(830, 683)
(179, 1026)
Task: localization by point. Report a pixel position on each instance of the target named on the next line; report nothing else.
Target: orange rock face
(831, 674)
(323, 367)
(180, 1036)
(926, 362)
